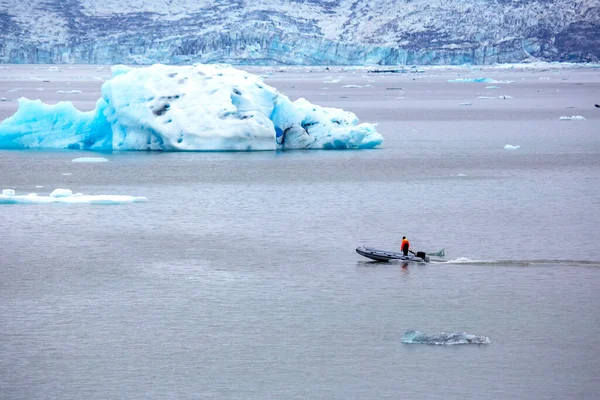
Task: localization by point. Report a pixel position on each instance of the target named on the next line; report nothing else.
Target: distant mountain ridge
(310, 32)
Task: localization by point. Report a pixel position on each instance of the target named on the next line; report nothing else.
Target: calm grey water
(238, 278)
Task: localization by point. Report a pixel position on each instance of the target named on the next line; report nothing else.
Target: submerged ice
(179, 108)
(452, 338)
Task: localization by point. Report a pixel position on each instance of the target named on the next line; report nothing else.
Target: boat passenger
(405, 245)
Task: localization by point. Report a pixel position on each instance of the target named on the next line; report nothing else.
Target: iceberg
(89, 160)
(443, 339)
(572, 118)
(186, 108)
(9, 196)
(472, 80)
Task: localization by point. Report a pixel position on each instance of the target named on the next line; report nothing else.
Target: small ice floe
(505, 97)
(572, 118)
(89, 160)
(511, 147)
(67, 173)
(3, 99)
(485, 97)
(393, 88)
(8, 196)
(39, 186)
(472, 80)
(69, 91)
(443, 339)
(466, 104)
(13, 90)
(459, 175)
(492, 87)
(544, 78)
(351, 86)
(332, 81)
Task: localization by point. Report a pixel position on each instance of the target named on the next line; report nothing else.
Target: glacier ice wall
(342, 32)
(186, 108)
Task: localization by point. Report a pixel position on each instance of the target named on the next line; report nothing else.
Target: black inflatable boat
(384, 255)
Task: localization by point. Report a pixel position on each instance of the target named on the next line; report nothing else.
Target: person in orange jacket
(405, 245)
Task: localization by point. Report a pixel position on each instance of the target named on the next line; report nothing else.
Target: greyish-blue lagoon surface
(238, 277)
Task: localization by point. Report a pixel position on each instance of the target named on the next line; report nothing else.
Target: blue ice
(186, 108)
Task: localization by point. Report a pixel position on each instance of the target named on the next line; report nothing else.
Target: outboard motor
(423, 255)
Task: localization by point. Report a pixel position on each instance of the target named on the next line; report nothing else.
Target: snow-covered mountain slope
(304, 32)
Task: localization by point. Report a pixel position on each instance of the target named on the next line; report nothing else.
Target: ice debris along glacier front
(8, 196)
(416, 337)
(186, 108)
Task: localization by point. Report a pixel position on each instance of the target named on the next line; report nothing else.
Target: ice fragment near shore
(443, 339)
(184, 108)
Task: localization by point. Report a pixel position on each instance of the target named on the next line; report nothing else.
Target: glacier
(452, 338)
(186, 108)
(309, 32)
(66, 196)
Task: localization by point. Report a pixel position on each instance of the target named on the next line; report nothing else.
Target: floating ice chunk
(3, 99)
(486, 97)
(69, 91)
(39, 186)
(13, 90)
(66, 196)
(89, 160)
(473, 80)
(511, 147)
(67, 173)
(61, 193)
(572, 118)
(492, 87)
(351, 86)
(332, 81)
(443, 339)
(466, 104)
(179, 108)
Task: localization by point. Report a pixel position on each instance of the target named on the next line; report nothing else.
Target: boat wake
(524, 263)
(443, 339)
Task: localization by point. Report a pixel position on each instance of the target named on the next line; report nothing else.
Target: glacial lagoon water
(238, 277)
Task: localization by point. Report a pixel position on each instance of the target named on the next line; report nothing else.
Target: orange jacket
(404, 242)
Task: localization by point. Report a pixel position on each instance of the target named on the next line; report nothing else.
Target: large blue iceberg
(186, 108)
